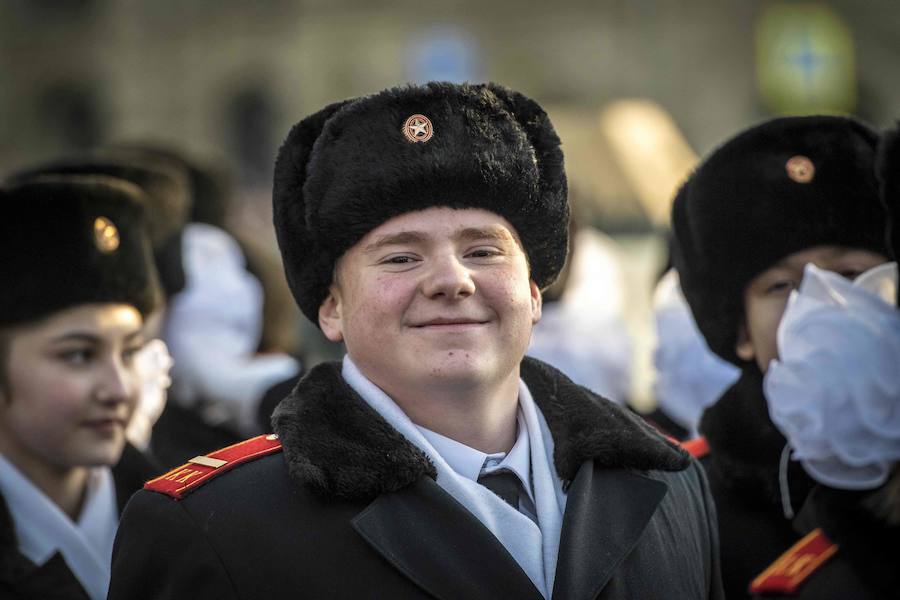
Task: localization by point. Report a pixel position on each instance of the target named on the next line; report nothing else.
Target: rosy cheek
(68, 396)
(394, 295)
(388, 285)
(517, 291)
(50, 417)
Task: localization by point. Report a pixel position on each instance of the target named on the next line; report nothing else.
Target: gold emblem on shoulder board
(800, 169)
(418, 128)
(106, 235)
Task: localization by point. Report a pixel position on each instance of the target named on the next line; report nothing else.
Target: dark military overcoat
(350, 509)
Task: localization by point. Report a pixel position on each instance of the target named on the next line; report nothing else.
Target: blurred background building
(638, 89)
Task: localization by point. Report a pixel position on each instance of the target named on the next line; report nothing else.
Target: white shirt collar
(535, 548)
(42, 528)
(464, 460)
(470, 463)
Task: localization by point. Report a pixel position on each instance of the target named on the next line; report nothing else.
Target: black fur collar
(336, 445)
(746, 447)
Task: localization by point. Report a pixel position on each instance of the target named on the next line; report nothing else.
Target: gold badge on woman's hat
(418, 128)
(800, 169)
(106, 235)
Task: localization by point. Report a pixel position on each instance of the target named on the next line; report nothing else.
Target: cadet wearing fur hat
(781, 195)
(851, 519)
(76, 283)
(213, 304)
(418, 225)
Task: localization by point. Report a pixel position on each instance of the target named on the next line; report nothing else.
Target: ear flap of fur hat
(70, 240)
(350, 167)
(775, 189)
(888, 166)
(308, 273)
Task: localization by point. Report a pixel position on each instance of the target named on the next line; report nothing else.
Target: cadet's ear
(743, 347)
(537, 301)
(330, 315)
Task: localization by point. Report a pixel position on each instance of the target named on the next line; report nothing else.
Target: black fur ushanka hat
(777, 188)
(70, 240)
(356, 164)
(167, 200)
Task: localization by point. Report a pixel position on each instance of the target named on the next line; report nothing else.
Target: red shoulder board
(697, 447)
(787, 574)
(200, 469)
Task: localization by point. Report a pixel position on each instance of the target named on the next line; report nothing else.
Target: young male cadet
(772, 199)
(418, 225)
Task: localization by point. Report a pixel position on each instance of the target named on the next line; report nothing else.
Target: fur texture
(167, 201)
(50, 257)
(348, 168)
(336, 445)
(739, 212)
(166, 188)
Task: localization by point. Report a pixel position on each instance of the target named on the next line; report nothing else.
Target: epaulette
(182, 480)
(787, 574)
(697, 447)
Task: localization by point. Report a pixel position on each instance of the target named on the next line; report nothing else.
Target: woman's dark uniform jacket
(771, 555)
(20, 579)
(350, 509)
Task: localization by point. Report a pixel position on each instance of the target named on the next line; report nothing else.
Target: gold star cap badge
(418, 128)
(106, 235)
(800, 169)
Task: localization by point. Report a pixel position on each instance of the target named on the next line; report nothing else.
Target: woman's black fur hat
(777, 188)
(348, 168)
(70, 240)
(167, 200)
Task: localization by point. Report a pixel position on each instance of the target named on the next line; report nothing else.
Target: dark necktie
(503, 483)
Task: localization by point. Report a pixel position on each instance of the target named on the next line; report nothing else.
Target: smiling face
(70, 388)
(766, 296)
(438, 297)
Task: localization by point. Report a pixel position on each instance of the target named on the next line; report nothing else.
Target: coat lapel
(606, 513)
(434, 541)
(339, 447)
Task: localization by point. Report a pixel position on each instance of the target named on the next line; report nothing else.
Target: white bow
(835, 390)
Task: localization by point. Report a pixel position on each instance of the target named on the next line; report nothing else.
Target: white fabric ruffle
(835, 390)
(584, 334)
(689, 377)
(152, 365)
(213, 328)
